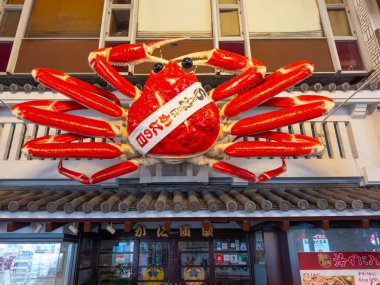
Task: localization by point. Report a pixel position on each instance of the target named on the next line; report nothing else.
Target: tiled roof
(187, 199)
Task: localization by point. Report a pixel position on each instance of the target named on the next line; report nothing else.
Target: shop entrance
(175, 262)
(196, 262)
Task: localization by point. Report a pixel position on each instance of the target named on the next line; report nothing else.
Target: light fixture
(73, 229)
(38, 228)
(110, 229)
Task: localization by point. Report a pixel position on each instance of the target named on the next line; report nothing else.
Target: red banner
(351, 268)
(338, 260)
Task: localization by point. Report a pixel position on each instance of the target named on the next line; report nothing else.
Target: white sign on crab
(165, 119)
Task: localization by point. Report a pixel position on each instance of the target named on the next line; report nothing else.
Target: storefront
(240, 236)
(318, 223)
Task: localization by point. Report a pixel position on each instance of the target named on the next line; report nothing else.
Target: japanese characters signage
(351, 268)
(185, 231)
(140, 231)
(164, 120)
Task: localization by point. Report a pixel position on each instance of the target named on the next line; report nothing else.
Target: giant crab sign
(173, 119)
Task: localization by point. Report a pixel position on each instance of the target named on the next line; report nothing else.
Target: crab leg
(86, 94)
(239, 172)
(247, 79)
(271, 86)
(57, 106)
(62, 146)
(68, 122)
(278, 144)
(251, 70)
(303, 108)
(101, 62)
(113, 171)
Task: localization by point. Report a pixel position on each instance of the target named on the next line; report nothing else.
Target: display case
(86, 261)
(194, 261)
(115, 262)
(231, 259)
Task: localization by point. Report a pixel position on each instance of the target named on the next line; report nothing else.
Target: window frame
(230, 7)
(244, 37)
(10, 7)
(27, 8)
(354, 25)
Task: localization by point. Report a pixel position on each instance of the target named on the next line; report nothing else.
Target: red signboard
(351, 268)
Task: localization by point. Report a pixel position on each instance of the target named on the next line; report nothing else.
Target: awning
(188, 202)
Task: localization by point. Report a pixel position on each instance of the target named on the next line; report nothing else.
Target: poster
(219, 258)
(321, 243)
(335, 268)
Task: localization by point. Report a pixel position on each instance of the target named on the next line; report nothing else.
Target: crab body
(201, 136)
(192, 137)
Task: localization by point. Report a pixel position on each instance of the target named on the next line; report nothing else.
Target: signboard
(321, 243)
(351, 268)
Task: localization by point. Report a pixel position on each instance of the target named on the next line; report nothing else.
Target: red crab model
(202, 138)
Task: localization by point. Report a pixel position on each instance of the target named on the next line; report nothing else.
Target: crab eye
(187, 63)
(158, 67)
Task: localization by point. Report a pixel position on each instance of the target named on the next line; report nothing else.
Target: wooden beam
(206, 225)
(285, 225)
(88, 226)
(127, 227)
(49, 226)
(246, 226)
(167, 225)
(13, 226)
(365, 224)
(325, 225)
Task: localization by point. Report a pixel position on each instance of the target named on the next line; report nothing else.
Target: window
(9, 23)
(335, 240)
(9, 19)
(231, 26)
(65, 18)
(344, 36)
(24, 263)
(59, 34)
(259, 265)
(119, 22)
(286, 18)
(175, 50)
(171, 18)
(282, 32)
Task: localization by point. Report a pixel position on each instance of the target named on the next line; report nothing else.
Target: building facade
(184, 224)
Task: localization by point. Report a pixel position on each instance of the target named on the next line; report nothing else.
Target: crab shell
(195, 135)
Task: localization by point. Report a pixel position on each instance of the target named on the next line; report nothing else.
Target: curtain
(284, 18)
(170, 18)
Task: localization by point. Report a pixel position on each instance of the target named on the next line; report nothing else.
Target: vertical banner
(336, 268)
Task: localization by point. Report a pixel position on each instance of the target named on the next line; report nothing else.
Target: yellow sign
(161, 232)
(140, 231)
(191, 274)
(209, 232)
(185, 231)
(154, 273)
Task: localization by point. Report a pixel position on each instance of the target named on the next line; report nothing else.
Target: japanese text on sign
(165, 119)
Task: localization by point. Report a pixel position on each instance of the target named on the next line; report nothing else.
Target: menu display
(26, 263)
(350, 268)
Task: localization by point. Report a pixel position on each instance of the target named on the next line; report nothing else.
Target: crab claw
(101, 61)
(223, 60)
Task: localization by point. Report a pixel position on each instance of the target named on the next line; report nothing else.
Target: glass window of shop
(318, 240)
(281, 32)
(47, 263)
(343, 255)
(155, 23)
(57, 34)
